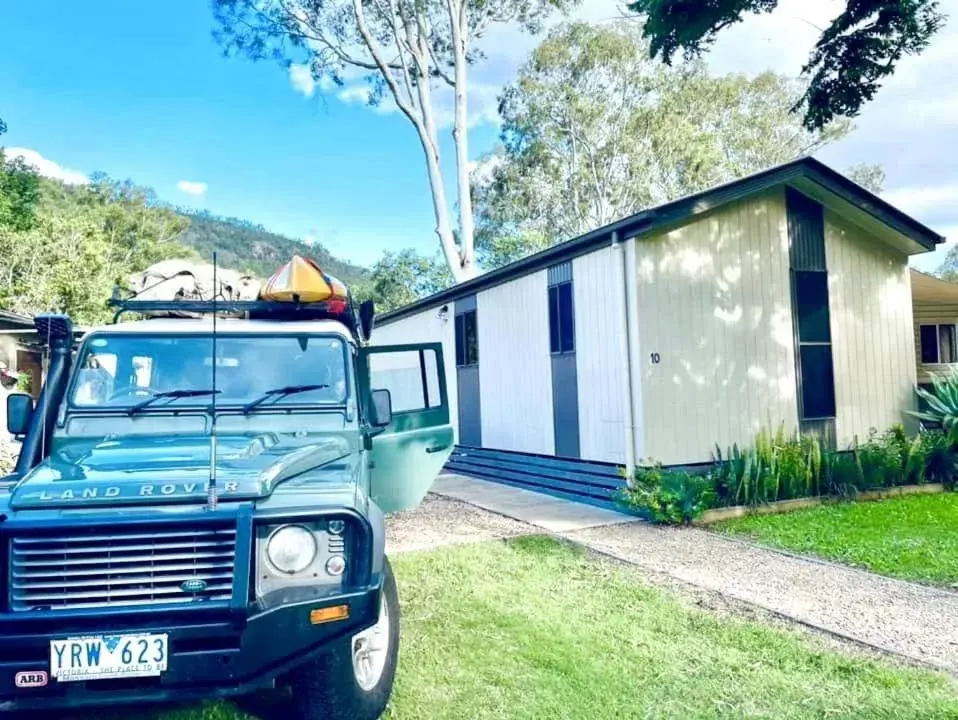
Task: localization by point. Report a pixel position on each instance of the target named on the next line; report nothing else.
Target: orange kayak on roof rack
(302, 280)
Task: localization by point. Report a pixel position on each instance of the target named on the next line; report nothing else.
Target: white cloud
(46, 167)
(925, 201)
(302, 79)
(354, 93)
(303, 82)
(192, 188)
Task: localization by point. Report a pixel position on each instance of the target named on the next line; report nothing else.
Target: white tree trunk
(418, 110)
(460, 134)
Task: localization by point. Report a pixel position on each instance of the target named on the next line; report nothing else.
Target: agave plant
(942, 402)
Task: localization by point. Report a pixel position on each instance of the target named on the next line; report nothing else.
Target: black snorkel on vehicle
(56, 332)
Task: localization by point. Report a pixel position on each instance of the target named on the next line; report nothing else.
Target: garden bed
(781, 472)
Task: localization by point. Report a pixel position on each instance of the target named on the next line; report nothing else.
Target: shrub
(778, 467)
(842, 474)
(671, 497)
(931, 459)
(942, 405)
(883, 458)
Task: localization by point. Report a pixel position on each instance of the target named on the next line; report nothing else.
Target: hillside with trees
(64, 247)
(243, 245)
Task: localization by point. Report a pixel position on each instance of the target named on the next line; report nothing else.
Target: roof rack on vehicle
(283, 302)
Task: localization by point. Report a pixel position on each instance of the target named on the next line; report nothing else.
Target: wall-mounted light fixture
(443, 313)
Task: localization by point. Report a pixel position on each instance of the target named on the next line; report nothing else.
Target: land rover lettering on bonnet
(198, 506)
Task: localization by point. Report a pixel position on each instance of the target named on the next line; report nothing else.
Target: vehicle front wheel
(354, 679)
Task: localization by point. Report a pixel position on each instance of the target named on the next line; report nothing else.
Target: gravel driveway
(439, 521)
(916, 621)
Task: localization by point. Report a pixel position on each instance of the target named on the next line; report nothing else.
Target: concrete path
(544, 511)
(899, 617)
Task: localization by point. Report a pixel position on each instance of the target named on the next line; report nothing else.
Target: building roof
(929, 289)
(15, 320)
(806, 174)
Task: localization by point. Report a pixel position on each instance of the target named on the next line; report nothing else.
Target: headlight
(291, 549)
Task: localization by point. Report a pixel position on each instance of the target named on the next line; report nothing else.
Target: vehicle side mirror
(381, 408)
(19, 413)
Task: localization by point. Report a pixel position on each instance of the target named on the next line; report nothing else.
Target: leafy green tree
(948, 270)
(19, 194)
(83, 240)
(409, 52)
(860, 47)
(401, 278)
(594, 130)
(869, 176)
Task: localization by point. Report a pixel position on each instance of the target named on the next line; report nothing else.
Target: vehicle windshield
(122, 371)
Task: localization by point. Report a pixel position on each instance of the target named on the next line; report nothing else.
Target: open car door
(409, 453)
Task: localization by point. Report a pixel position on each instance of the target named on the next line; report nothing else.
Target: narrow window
(460, 341)
(554, 343)
(467, 339)
(946, 344)
(811, 295)
(561, 318)
(818, 382)
(929, 344)
(566, 319)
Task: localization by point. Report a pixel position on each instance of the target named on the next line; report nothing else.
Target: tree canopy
(948, 270)
(64, 247)
(408, 51)
(853, 55)
(594, 130)
(400, 278)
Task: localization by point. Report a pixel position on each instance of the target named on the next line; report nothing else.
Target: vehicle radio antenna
(211, 486)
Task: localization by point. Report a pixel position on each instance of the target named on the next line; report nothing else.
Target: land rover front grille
(110, 567)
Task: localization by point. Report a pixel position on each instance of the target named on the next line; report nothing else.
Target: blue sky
(147, 95)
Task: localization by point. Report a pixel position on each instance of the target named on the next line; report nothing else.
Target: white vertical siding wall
(597, 285)
(427, 327)
(873, 341)
(515, 371)
(714, 304)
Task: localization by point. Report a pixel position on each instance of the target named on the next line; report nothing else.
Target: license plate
(97, 657)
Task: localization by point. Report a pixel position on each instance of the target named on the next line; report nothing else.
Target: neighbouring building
(781, 298)
(935, 306)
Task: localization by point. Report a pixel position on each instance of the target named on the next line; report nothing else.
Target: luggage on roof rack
(300, 290)
(183, 280)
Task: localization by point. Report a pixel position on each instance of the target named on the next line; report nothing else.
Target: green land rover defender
(198, 509)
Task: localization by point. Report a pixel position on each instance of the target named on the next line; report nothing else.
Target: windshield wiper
(169, 394)
(280, 392)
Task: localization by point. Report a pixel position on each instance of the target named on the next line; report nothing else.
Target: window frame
(557, 338)
(203, 403)
(431, 401)
(830, 395)
(938, 327)
(462, 345)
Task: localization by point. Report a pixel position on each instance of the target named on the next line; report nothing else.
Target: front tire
(354, 679)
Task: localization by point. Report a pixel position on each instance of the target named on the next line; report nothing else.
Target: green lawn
(534, 629)
(911, 537)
